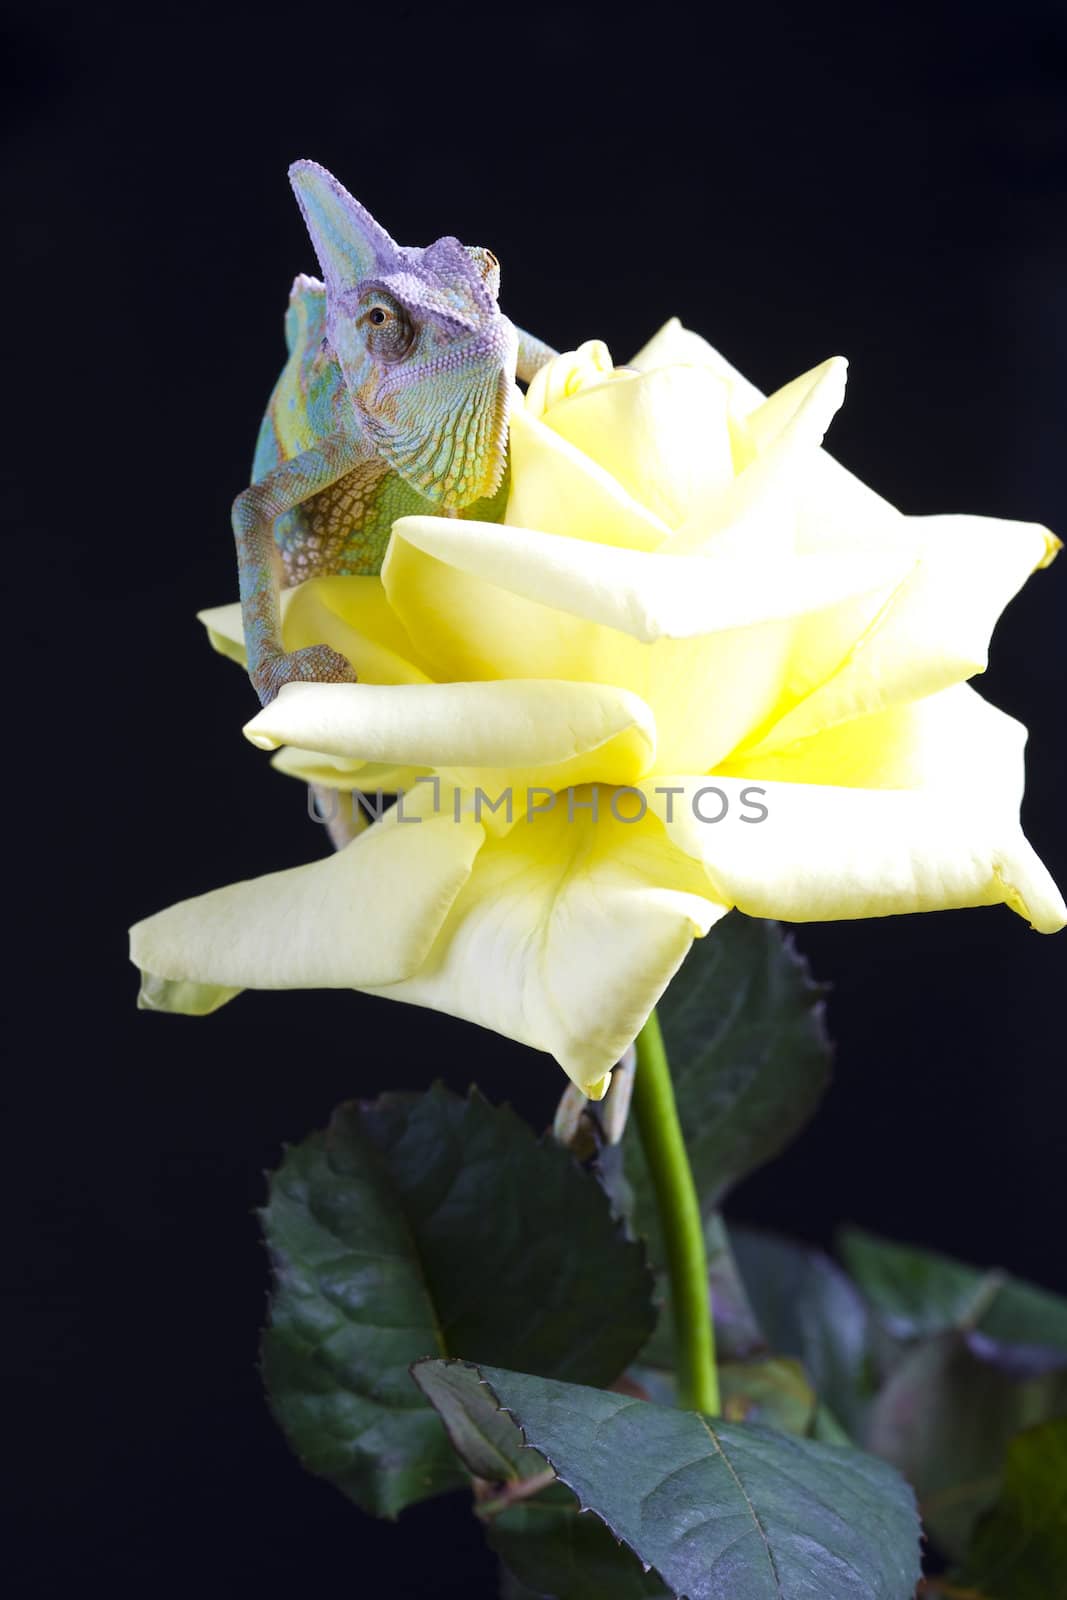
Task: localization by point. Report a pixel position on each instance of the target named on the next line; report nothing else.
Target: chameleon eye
(389, 332)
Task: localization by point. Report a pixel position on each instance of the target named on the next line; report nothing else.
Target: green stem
(679, 1214)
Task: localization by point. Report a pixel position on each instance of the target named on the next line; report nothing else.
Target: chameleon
(394, 401)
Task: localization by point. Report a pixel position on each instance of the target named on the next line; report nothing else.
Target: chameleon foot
(317, 664)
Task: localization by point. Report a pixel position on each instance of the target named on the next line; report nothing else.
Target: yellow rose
(692, 619)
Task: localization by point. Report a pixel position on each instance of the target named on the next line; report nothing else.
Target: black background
(884, 183)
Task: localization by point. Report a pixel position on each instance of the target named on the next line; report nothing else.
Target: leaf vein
(752, 1510)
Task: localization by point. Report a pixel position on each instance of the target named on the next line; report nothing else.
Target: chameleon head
(427, 357)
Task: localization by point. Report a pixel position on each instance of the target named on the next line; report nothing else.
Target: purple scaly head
(426, 355)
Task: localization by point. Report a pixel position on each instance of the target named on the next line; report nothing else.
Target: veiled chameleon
(394, 400)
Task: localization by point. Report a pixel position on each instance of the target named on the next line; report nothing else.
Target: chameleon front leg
(533, 355)
(254, 514)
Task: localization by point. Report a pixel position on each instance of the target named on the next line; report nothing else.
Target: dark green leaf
(556, 1551)
(720, 1510)
(483, 1436)
(945, 1418)
(807, 1308)
(744, 1031)
(541, 1539)
(423, 1225)
(920, 1292)
(1020, 1548)
(512, 1589)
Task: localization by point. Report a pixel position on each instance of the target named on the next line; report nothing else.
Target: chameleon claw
(315, 664)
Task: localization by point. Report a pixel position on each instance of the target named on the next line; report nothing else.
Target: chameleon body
(344, 529)
(393, 401)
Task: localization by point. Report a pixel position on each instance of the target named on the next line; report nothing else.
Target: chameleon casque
(394, 401)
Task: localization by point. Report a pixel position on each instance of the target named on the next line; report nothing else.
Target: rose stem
(679, 1214)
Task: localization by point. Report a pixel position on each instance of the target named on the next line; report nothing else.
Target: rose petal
(352, 615)
(825, 851)
(367, 915)
(934, 631)
(566, 374)
(567, 934)
(526, 731)
(663, 435)
(707, 694)
(942, 742)
(675, 343)
(334, 772)
(838, 500)
(649, 596)
(558, 488)
(756, 517)
(187, 999)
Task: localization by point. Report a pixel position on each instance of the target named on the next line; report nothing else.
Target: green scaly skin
(393, 402)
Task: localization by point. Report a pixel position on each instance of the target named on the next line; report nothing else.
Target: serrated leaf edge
(472, 1366)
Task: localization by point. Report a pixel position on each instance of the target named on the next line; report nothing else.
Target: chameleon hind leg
(255, 511)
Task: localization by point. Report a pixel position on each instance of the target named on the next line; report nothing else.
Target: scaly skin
(394, 401)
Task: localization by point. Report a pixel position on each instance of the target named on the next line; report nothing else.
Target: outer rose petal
(675, 343)
(649, 596)
(527, 727)
(567, 934)
(934, 631)
(757, 511)
(838, 499)
(334, 772)
(188, 999)
(368, 915)
(352, 615)
(824, 851)
(943, 742)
